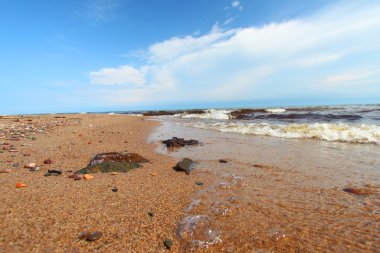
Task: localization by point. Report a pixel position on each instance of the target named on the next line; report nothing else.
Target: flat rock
(109, 167)
(185, 165)
(117, 157)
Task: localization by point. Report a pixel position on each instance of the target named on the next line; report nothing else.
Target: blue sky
(100, 55)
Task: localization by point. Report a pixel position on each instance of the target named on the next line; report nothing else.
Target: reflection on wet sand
(279, 195)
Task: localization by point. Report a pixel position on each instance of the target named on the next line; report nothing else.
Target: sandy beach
(50, 212)
(253, 201)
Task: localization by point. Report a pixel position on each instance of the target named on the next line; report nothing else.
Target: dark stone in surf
(185, 165)
(179, 142)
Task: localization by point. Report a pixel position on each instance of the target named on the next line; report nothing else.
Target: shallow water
(277, 194)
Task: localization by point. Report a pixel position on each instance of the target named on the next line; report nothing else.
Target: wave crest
(321, 131)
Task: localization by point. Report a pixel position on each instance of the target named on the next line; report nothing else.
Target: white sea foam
(208, 114)
(338, 132)
(275, 110)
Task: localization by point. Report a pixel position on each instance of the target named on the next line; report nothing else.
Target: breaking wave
(337, 132)
(208, 114)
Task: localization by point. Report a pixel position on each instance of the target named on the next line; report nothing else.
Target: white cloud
(123, 75)
(349, 78)
(235, 3)
(252, 62)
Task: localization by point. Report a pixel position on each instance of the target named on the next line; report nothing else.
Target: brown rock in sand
(117, 157)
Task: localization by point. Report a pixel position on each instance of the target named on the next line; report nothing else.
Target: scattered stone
(151, 214)
(114, 189)
(20, 185)
(15, 165)
(57, 172)
(359, 192)
(48, 161)
(34, 169)
(94, 236)
(6, 171)
(153, 174)
(84, 235)
(73, 176)
(179, 142)
(222, 161)
(31, 165)
(185, 165)
(168, 243)
(113, 173)
(77, 178)
(48, 174)
(199, 183)
(88, 177)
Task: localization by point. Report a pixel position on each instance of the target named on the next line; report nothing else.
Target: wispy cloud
(123, 75)
(97, 11)
(278, 59)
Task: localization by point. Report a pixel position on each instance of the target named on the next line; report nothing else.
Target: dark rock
(199, 183)
(168, 243)
(16, 165)
(94, 236)
(73, 176)
(185, 165)
(114, 189)
(77, 178)
(48, 174)
(83, 235)
(222, 161)
(58, 172)
(151, 214)
(359, 192)
(117, 157)
(48, 161)
(107, 167)
(179, 142)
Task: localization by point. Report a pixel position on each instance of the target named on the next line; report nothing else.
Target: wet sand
(267, 197)
(276, 195)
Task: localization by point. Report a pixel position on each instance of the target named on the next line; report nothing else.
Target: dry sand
(50, 212)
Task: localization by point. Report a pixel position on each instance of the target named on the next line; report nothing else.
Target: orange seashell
(88, 176)
(20, 185)
(153, 174)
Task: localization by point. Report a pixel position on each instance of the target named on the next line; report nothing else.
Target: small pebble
(20, 185)
(114, 189)
(222, 161)
(168, 243)
(94, 236)
(199, 183)
(77, 178)
(48, 174)
(151, 214)
(88, 177)
(48, 161)
(15, 165)
(153, 174)
(83, 235)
